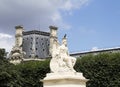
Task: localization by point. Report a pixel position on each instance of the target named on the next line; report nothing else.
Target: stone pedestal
(68, 79)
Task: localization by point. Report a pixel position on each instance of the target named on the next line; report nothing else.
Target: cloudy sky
(87, 23)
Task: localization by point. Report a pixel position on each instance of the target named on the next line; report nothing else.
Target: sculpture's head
(64, 40)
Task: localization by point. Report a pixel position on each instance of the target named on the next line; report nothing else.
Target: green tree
(2, 53)
(9, 77)
(102, 70)
(33, 72)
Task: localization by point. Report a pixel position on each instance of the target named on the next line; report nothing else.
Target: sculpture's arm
(67, 52)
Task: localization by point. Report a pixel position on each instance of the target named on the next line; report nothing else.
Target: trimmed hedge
(102, 70)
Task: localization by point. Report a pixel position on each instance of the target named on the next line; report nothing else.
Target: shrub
(102, 70)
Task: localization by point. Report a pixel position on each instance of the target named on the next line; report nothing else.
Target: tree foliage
(32, 72)
(102, 70)
(2, 53)
(8, 76)
(25, 74)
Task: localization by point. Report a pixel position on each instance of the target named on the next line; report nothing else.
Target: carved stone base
(16, 61)
(68, 79)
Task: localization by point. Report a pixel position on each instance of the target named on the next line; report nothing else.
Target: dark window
(31, 42)
(36, 48)
(27, 38)
(30, 48)
(36, 42)
(41, 38)
(42, 43)
(29, 55)
(31, 38)
(36, 56)
(43, 49)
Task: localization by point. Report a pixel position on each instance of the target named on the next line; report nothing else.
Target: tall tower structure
(31, 45)
(16, 54)
(53, 35)
(18, 36)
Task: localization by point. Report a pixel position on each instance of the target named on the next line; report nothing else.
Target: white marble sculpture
(61, 60)
(62, 72)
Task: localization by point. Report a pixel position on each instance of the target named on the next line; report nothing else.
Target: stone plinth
(68, 79)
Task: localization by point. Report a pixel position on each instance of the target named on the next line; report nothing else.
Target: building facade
(95, 52)
(30, 45)
(36, 44)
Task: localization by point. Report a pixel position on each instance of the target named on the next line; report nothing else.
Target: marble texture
(61, 66)
(61, 60)
(67, 79)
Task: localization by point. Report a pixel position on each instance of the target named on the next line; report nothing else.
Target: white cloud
(3, 35)
(56, 17)
(6, 41)
(70, 5)
(34, 14)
